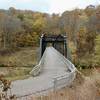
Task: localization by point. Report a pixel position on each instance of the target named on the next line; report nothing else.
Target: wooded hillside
(22, 28)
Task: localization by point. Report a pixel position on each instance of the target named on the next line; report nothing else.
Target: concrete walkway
(54, 66)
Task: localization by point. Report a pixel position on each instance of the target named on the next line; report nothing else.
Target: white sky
(49, 6)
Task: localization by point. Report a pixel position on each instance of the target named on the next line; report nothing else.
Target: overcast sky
(49, 6)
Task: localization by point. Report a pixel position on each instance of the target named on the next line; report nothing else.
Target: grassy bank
(18, 64)
(23, 57)
(15, 73)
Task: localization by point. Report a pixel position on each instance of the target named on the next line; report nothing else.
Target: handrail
(58, 81)
(51, 88)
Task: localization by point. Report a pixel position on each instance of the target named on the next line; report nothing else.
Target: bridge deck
(53, 64)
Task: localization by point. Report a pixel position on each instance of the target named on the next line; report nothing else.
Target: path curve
(53, 65)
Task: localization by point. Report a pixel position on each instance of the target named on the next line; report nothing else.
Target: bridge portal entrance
(59, 42)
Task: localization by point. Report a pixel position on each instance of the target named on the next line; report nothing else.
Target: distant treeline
(21, 28)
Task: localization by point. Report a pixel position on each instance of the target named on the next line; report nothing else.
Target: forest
(20, 32)
(23, 28)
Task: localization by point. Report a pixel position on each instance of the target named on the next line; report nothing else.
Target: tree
(9, 26)
(98, 19)
(97, 50)
(70, 23)
(91, 33)
(81, 42)
(12, 11)
(90, 10)
(38, 23)
(52, 24)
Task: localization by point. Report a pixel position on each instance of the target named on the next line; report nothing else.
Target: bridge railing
(58, 83)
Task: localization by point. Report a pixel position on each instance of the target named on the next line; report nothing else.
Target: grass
(15, 73)
(23, 57)
(86, 72)
(17, 65)
(17, 77)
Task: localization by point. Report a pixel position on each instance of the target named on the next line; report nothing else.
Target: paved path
(54, 66)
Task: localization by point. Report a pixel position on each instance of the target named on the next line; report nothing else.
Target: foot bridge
(54, 71)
